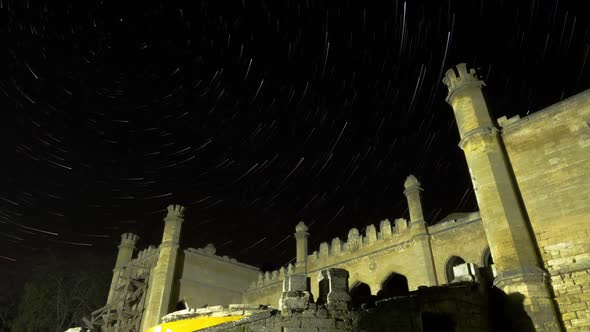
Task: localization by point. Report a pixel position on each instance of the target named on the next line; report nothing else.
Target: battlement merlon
(128, 240)
(459, 77)
(175, 211)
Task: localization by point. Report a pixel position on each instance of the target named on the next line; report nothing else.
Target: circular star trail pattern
(253, 114)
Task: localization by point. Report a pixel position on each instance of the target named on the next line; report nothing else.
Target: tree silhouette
(59, 300)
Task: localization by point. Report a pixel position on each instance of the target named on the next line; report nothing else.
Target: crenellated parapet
(175, 211)
(373, 237)
(128, 240)
(459, 77)
(269, 278)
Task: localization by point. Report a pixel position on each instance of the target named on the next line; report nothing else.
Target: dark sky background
(253, 114)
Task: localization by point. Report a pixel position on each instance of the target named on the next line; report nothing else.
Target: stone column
(162, 276)
(126, 248)
(503, 216)
(337, 298)
(301, 238)
(418, 228)
(296, 295)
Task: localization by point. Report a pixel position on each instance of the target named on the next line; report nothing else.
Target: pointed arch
(395, 284)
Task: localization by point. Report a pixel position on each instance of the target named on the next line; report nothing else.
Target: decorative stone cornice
(170, 244)
(532, 273)
(477, 133)
(413, 189)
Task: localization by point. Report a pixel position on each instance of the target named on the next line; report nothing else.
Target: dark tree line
(56, 295)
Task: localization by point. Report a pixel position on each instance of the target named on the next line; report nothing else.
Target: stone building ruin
(530, 240)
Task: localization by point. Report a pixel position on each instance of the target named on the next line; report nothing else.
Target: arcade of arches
(396, 284)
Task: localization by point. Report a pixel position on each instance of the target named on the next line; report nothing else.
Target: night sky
(253, 114)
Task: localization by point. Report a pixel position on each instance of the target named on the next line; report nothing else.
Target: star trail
(253, 114)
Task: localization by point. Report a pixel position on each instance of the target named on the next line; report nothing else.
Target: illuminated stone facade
(531, 236)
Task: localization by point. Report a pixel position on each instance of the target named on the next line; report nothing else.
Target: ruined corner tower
(418, 227)
(126, 248)
(503, 215)
(162, 276)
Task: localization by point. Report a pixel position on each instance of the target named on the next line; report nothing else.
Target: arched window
(360, 293)
(451, 263)
(394, 285)
(486, 257)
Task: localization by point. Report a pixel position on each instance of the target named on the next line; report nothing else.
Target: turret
(126, 249)
(412, 192)
(162, 277)
(301, 239)
(173, 223)
(467, 100)
(503, 216)
(418, 229)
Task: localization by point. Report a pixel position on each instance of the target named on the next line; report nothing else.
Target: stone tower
(126, 248)
(162, 276)
(503, 215)
(418, 227)
(301, 239)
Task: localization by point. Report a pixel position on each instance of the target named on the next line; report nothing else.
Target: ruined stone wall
(460, 307)
(463, 237)
(208, 279)
(550, 155)
(267, 294)
(313, 319)
(267, 289)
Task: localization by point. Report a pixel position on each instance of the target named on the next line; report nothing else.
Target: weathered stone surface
(294, 301)
(295, 282)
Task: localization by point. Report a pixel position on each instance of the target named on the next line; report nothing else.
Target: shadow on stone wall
(360, 294)
(507, 312)
(450, 308)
